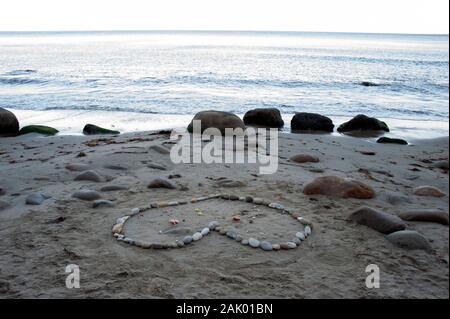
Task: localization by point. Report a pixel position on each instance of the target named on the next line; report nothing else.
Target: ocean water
(180, 73)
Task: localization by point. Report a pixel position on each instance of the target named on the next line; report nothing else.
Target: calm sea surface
(184, 72)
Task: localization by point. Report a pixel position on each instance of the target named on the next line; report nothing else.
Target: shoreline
(130, 122)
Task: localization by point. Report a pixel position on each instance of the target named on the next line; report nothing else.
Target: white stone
(307, 230)
(135, 211)
(291, 245)
(197, 236)
(205, 231)
(276, 206)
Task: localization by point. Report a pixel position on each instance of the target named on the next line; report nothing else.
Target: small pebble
(187, 240)
(300, 235)
(197, 236)
(244, 242)
(276, 247)
(266, 246)
(213, 225)
(253, 242)
(205, 231)
(307, 231)
(291, 245)
(135, 211)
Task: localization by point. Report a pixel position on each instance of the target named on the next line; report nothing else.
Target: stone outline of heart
(117, 229)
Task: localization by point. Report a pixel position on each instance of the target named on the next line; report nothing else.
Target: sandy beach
(39, 241)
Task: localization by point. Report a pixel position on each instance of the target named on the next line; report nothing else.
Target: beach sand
(38, 242)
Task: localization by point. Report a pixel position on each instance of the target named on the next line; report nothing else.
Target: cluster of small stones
(231, 233)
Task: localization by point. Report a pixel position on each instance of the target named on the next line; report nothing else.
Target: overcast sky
(384, 16)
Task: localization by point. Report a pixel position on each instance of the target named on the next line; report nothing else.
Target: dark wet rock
(380, 221)
(336, 186)
(368, 84)
(425, 215)
(90, 176)
(388, 140)
(77, 167)
(363, 123)
(103, 203)
(2, 191)
(408, 239)
(114, 188)
(304, 158)
(311, 122)
(9, 125)
(36, 199)
(91, 129)
(161, 183)
(87, 195)
(38, 129)
(264, 117)
(217, 119)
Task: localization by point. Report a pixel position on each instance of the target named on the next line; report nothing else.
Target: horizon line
(223, 31)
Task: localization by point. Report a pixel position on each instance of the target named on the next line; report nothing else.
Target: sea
(144, 80)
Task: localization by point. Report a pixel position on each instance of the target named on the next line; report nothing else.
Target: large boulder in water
(264, 117)
(311, 122)
(336, 186)
(363, 123)
(217, 119)
(9, 125)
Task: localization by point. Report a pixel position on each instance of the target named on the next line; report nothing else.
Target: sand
(38, 242)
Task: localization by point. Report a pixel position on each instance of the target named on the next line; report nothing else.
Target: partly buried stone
(388, 140)
(160, 149)
(36, 199)
(425, 215)
(230, 183)
(377, 220)
(87, 195)
(264, 117)
(409, 239)
(9, 125)
(3, 205)
(2, 191)
(38, 129)
(103, 203)
(311, 122)
(304, 158)
(91, 129)
(77, 167)
(161, 183)
(265, 245)
(91, 176)
(114, 188)
(395, 198)
(363, 123)
(428, 191)
(339, 187)
(218, 120)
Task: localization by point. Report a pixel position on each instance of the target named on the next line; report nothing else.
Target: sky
(380, 16)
